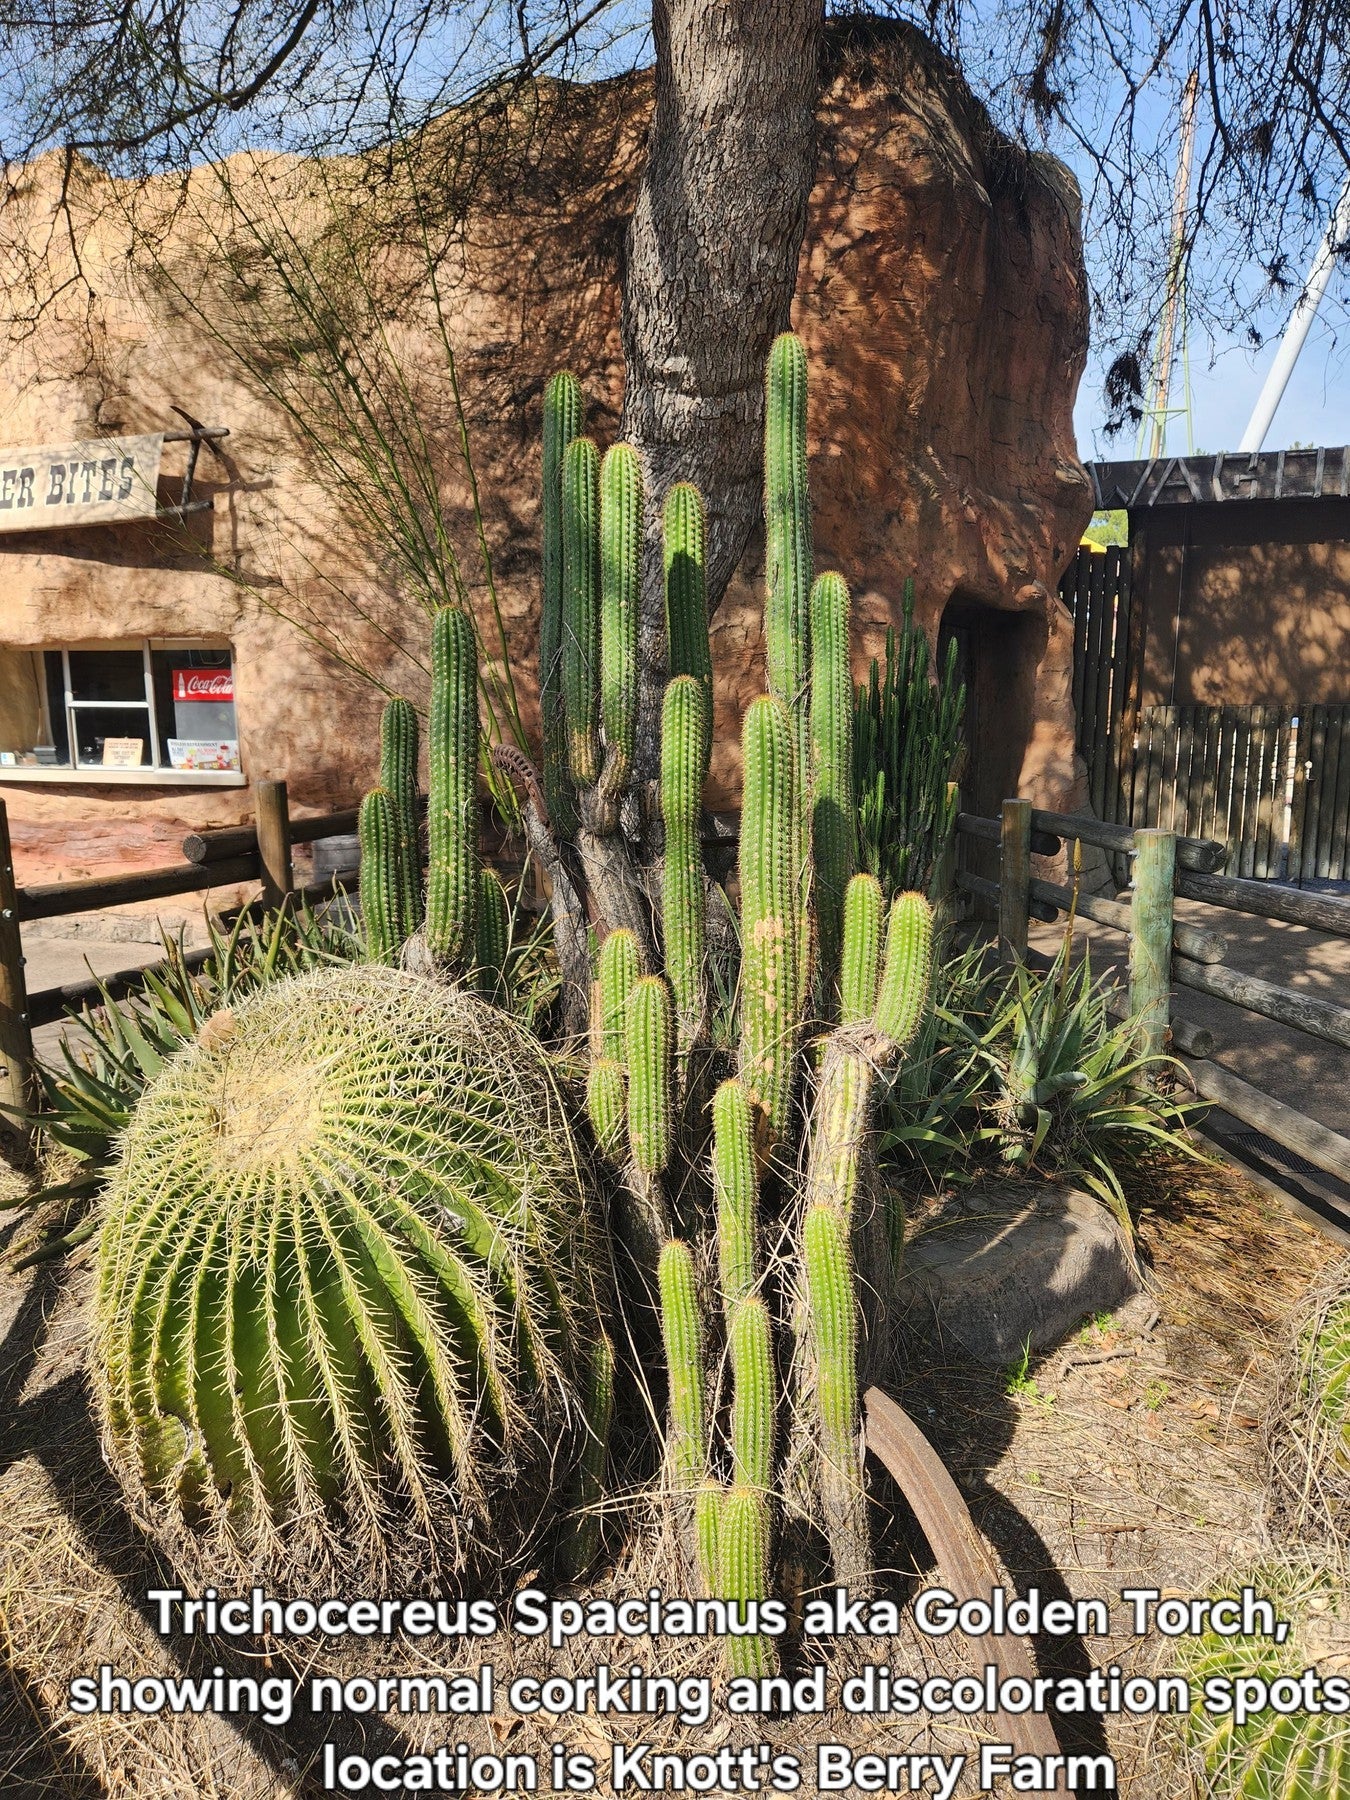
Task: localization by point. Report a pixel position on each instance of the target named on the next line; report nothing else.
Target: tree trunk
(711, 266)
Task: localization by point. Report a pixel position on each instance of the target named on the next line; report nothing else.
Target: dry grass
(1133, 1456)
(1308, 1428)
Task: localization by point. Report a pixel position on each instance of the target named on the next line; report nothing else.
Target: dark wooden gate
(1272, 782)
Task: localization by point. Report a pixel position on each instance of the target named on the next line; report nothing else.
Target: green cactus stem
(607, 1105)
(903, 996)
(620, 584)
(769, 939)
(648, 1041)
(581, 608)
(833, 1326)
(743, 1532)
(707, 1514)
(735, 1192)
(832, 810)
(564, 419)
(581, 1543)
(861, 966)
(452, 801)
(685, 734)
(620, 966)
(753, 1400)
(381, 885)
(323, 1343)
(787, 521)
(682, 1336)
(493, 937)
(398, 778)
(683, 539)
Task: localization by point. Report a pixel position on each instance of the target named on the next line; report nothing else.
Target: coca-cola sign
(203, 684)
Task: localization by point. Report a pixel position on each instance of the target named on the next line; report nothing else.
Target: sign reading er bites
(203, 684)
(94, 482)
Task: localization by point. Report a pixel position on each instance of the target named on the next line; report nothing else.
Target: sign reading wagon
(97, 481)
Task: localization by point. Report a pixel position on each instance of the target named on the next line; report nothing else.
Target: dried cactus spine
(743, 1531)
(582, 1542)
(831, 797)
(607, 1105)
(754, 1394)
(769, 938)
(902, 998)
(735, 1192)
(581, 608)
(398, 778)
(620, 966)
(381, 887)
(833, 1325)
(620, 583)
(683, 538)
(564, 411)
(685, 733)
(493, 936)
(682, 1337)
(649, 1047)
(452, 798)
(860, 966)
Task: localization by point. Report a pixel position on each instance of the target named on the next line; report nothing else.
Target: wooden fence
(1166, 953)
(212, 859)
(1271, 783)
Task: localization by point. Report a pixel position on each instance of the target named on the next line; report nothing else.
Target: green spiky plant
(345, 1286)
(907, 751)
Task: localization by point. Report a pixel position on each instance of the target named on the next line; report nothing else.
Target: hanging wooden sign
(97, 481)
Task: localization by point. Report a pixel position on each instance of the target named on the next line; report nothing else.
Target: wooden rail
(227, 858)
(1165, 951)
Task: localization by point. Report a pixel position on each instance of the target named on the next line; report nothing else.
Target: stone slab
(1011, 1263)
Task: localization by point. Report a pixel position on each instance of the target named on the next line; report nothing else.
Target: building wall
(1247, 602)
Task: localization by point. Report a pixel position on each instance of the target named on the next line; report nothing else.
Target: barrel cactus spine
(452, 796)
(831, 795)
(620, 595)
(769, 937)
(381, 877)
(398, 778)
(685, 738)
(564, 419)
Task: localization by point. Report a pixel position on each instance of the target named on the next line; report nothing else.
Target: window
(157, 705)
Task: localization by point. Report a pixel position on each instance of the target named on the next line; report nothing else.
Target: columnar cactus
(581, 608)
(452, 794)
(735, 1192)
(649, 1044)
(743, 1532)
(685, 739)
(582, 1540)
(493, 938)
(620, 587)
(828, 1267)
(683, 1338)
(398, 778)
(607, 1104)
(832, 821)
(787, 525)
(564, 419)
(770, 983)
(382, 896)
(861, 949)
(754, 1394)
(683, 546)
(620, 967)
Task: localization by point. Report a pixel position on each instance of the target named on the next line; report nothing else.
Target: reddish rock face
(942, 299)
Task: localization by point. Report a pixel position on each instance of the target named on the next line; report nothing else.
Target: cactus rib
(452, 800)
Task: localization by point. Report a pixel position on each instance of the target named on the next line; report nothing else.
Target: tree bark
(711, 266)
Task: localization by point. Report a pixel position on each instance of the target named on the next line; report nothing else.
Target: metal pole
(1300, 323)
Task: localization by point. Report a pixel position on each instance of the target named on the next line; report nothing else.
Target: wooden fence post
(942, 886)
(1014, 876)
(274, 841)
(1155, 856)
(16, 1030)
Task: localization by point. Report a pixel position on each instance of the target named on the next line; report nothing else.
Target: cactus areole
(344, 1309)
